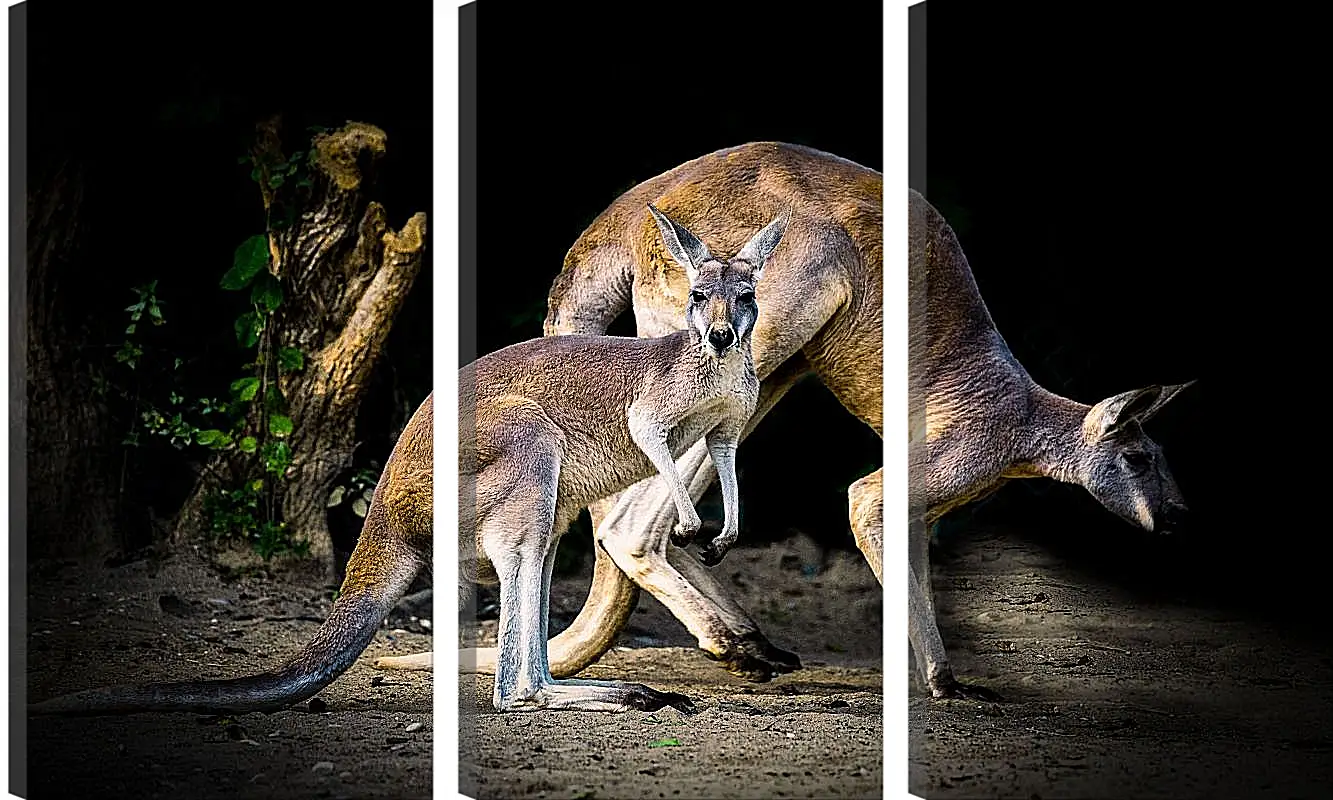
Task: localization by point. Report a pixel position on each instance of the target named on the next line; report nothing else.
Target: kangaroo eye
(745, 297)
(698, 297)
(1137, 460)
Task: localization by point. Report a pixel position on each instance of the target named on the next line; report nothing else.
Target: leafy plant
(357, 491)
(253, 417)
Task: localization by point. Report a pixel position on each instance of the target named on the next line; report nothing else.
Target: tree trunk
(71, 484)
(344, 275)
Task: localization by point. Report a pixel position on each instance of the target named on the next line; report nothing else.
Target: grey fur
(552, 424)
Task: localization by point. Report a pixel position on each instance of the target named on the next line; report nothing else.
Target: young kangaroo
(559, 422)
(395, 543)
(978, 420)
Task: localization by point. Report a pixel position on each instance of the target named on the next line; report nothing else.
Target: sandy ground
(122, 625)
(816, 732)
(812, 733)
(1113, 690)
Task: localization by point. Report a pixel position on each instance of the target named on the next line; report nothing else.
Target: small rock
(323, 766)
(791, 736)
(414, 727)
(345, 775)
(425, 623)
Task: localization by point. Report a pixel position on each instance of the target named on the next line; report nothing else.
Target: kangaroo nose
(721, 339)
(1171, 518)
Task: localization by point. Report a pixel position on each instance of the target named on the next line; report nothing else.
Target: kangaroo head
(721, 307)
(1122, 467)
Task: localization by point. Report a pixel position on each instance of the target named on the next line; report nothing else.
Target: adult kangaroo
(821, 297)
(978, 420)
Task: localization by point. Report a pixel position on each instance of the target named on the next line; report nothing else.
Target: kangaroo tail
(379, 572)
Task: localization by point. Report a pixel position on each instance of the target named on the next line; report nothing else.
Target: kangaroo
(978, 420)
(546, 424)
(822, 297)
(395, 543)
(559, 422)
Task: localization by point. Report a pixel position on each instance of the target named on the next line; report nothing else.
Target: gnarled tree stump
(344, 275)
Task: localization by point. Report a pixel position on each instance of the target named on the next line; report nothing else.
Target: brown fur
(822, 313)
(979, 420)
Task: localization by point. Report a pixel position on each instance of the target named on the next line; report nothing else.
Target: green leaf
(245, 389)
(130, 329)
(665, 743)
(290, 359)
(251, 257)
(359, 507)
(275, 180)
(248, 444)
(242, 159)
(248, 327)
(277, 457)
(209, 437)
(280, 426)
(335, 496)
(266, 295)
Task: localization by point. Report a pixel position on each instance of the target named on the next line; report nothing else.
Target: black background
(577, 104)
(158, 104)
(1137, 196)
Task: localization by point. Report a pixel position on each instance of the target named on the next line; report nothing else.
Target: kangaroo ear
(684, 246)
(1111, 414)
(1163, 398)
(762, 244)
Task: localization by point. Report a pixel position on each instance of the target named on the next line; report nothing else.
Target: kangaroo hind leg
(519, 536)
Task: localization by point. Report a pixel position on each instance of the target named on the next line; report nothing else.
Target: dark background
(578, 105)
(157, 105)
(1136, 195)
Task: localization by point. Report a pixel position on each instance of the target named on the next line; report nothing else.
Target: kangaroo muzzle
(720, 339)
(1171, 518)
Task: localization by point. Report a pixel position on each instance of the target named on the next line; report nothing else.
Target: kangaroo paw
(712, 554)
(642, 698)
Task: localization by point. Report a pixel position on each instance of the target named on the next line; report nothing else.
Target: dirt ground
(813, 733)
(88, 629)
(1111, 690)
(816, 732)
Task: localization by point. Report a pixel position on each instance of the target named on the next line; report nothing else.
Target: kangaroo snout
(1171, 518)
(721, 339)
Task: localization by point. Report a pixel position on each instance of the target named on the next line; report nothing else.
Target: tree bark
(71, 491)
(344, 274)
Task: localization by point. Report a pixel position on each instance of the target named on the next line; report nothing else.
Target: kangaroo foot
(956, 690)
(588, 695)
(643, 698)
(744, 665)
(758, 645)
